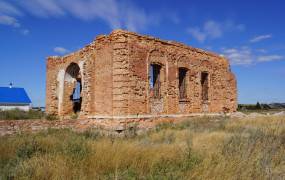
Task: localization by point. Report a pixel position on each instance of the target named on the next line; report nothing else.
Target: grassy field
(201, 148)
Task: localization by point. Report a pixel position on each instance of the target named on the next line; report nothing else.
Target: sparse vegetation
(17, 114)
(74, 116)
(200, 148)
(51, 117)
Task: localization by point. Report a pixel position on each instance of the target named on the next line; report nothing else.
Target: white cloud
(117, 14)
(25, 31)
(9, 21)
(107, 10)
(270, 58)
(261, 50)
(136, 19)
(8, 14)
(13, 22)
(239, 56)
(60, 50)
(260, 38)
(198, 34)
(246, 56)
(42, 8)
(230, 25)
(212, 30)
(8, 9)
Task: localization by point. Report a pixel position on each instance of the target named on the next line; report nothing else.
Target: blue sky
(250, 33)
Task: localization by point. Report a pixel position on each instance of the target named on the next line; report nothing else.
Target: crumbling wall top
(120, 32)
(167, 42)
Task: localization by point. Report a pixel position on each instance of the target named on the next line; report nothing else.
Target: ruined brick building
(125, 75)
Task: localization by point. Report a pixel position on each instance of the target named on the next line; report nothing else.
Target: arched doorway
(72, 90)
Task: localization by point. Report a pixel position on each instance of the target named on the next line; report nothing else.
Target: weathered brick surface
(115, 76)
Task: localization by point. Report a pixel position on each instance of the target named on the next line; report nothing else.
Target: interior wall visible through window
(182, 83)
(205, 85)
(154, 73)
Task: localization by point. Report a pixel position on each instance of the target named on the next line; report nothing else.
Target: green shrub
(17, 114)
(51, 117)
(74, 116)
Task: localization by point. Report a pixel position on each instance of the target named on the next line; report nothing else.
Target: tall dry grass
(199, 148)
(252, 148)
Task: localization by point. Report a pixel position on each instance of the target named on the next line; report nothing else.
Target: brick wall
(115, 73)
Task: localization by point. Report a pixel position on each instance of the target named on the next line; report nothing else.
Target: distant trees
(258, 106)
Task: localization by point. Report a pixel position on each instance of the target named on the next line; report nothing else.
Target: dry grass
(200, 148)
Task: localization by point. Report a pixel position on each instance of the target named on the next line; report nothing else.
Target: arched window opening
(73, 88)
(182, 83)
(205, 86)
(155, 79)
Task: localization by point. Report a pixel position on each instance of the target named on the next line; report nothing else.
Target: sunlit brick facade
(129, 75)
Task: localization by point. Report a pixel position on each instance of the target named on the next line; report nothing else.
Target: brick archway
(72, 87)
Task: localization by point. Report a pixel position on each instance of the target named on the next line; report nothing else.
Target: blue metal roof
(14, 96)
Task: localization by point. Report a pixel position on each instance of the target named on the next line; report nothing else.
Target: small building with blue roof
(14, 98)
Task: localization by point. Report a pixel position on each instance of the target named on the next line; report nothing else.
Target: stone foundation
(118, 125)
